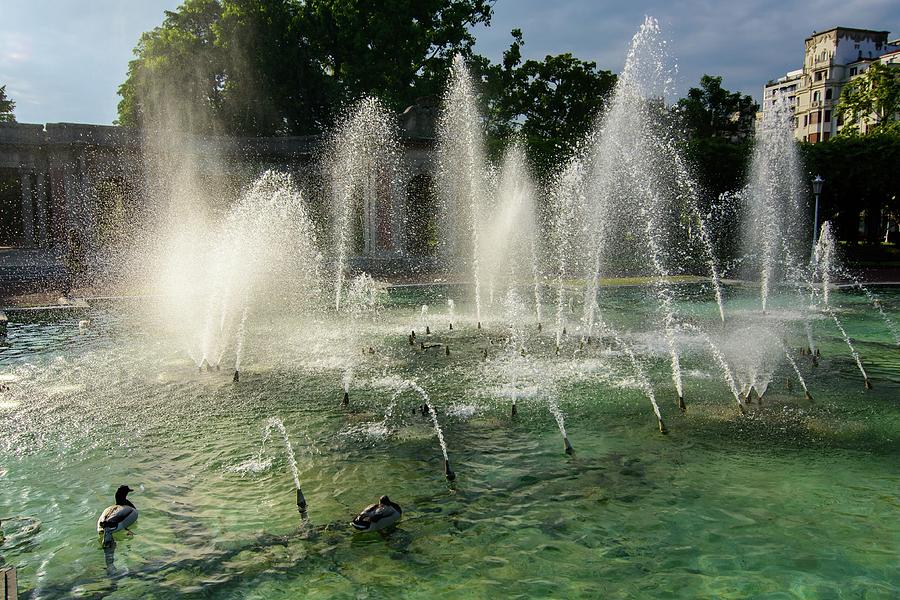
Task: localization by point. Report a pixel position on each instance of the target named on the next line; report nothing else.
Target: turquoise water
(797, 499)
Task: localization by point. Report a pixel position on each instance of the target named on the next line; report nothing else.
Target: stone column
(40, 208)
(27, 207)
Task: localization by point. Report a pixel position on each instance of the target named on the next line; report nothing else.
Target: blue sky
(62, 60)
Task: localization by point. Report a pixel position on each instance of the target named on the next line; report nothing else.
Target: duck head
(121, 493)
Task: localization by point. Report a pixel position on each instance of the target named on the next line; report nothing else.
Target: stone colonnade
(61, 172)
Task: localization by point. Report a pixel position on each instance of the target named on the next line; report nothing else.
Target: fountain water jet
(462, 175)
(363, 163)
(278, 424)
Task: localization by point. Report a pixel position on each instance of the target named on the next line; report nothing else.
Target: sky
(62, 60)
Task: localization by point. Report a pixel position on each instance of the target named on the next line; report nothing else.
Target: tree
(268, 67)
(712, 111)
(552, 103)
(859, 176)
(874, 96)
(6, 107)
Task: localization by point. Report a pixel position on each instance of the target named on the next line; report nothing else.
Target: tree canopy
(6, 107)
(712, 111)
(269, 67)
(551, 103)
(874, 96)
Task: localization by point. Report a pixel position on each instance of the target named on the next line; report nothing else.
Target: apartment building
(831, 60)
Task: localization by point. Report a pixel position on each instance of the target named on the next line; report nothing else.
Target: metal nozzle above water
(448, 472)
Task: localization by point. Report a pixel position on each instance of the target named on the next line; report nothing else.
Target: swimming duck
(117, 517)
(378, 516)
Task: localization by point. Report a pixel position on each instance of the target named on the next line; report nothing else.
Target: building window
(828, 116)
(828, 94)
(816, 96)
(825, 136)
(805, 120)
(852, 71)
(856, 46)
(820, 75)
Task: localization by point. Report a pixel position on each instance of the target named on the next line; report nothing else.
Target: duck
(378, 516)
(117, 517)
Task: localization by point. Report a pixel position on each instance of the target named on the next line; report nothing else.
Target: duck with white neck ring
(117, 517)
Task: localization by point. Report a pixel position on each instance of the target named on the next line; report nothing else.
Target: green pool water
(797, 499)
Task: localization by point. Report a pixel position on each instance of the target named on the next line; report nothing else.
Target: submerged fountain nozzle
(427, 330)
(479, 324)
(346, 400)
(447, 350)
(237, 376)
(301, 501)
(451, 325)
(448, 472)
(540, 327)
(867, 383)
(808, 396)
(681, 404)
(662, 427)
(569, 449)
(514, 411)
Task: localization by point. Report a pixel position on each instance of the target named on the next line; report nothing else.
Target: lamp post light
(817, 189)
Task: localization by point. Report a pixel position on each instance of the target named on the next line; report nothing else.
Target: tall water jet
(827, 265)
(451, 312)
(568, 199)
(263, 248)
(363, 169)
(462, 175)
(423, 313)
(631, 181)
(239, 347)
(825, 258)
(776, 225)
(509, 250)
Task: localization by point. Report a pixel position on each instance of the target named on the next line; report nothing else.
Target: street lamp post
(817, 189)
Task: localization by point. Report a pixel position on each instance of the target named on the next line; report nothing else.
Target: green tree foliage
(874, 96)
(552, 103)
(6, 107)
(860, 176)
(267, 67)
(712, 111)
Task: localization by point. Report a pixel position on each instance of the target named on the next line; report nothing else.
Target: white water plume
(364, 171)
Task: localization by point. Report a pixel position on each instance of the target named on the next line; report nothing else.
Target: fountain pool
(795, 495)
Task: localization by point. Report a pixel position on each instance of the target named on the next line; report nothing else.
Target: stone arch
(421, 216)
(114, 209)
(11, 228)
